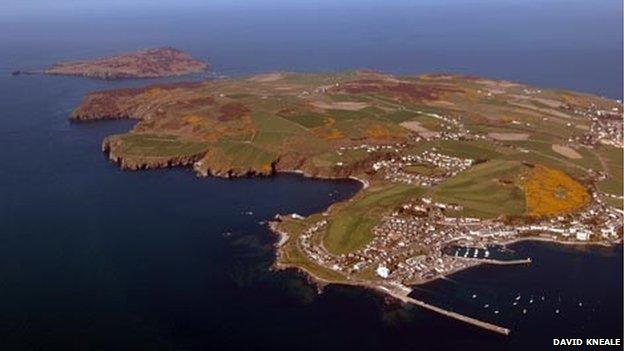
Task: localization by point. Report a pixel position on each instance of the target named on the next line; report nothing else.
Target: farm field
(487, 190)
(490, 149)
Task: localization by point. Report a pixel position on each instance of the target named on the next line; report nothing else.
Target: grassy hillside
(350, 226)
(487, 190)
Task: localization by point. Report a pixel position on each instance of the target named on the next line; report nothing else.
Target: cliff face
(113, 147)
(106, 106)
(306, 166)
(117, 152)
(229, 172)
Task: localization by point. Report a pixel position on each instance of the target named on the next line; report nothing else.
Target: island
(450, 165)
(146, 63)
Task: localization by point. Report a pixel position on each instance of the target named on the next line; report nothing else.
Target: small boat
(517, 297)
(543, 298)
(524, 311)
(557, 311)
(531, 300)
(474, 296)
(580, 304)
(487, 253)
(515, 303)
(486, 305)
(496, 312)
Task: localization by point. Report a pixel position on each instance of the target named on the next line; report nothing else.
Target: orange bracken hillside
(551, 192)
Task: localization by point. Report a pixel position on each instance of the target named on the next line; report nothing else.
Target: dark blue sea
(95, 258)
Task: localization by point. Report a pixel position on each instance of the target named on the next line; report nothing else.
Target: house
(383, 272)
(583, 235)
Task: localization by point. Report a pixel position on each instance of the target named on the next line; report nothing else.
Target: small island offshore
(146, 63)
(450, 165)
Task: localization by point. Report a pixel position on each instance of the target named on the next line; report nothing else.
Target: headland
(145, 63)
(446, 160)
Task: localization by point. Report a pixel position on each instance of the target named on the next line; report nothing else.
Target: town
(411, 245)
(605, 128)
(439, 166)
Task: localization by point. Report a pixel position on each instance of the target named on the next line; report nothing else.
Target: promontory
(451, 164)
(145, 63)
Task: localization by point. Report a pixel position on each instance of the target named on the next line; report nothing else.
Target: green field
(329, 159)
(424, 169)
(350, 227)
(309, 119)
(487, 190)
(275, 133)
(152, 145)
(292, 255)
(468, 149)
(245, 155)
(612, 157)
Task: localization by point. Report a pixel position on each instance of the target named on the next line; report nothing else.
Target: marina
(495, 254)
(524, 299)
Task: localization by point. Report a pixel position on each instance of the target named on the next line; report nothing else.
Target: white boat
(496, 312)
(524, 311)
(487, 253)
(474, 296)
(486, 305)
(517, 297)
(557, 311)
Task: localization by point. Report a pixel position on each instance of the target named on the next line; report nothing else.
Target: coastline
(401, 293)
(318, 272)
(156, 62)
(561, 242)
(283, 237)
(398, 293)
(365, 183)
